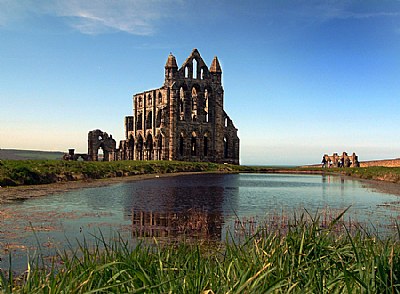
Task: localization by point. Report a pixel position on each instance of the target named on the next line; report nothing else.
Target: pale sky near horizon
(301, 78)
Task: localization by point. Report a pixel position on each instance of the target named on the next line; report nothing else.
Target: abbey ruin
(340, 161)
(184, 119)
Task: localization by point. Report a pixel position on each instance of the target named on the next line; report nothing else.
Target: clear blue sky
(301, 78)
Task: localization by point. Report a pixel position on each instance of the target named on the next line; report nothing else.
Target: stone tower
(184, 119)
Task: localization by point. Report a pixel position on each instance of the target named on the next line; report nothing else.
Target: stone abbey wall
(343, 160)
(184, 119)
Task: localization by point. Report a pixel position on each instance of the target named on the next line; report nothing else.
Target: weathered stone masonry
(184, 119)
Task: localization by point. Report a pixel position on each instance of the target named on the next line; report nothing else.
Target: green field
(15, 154)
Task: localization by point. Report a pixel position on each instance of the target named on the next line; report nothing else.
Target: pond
(204, 206)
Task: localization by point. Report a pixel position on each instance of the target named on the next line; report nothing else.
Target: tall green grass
(306, 258)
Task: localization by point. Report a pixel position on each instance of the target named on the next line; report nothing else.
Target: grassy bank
(35, 172)
(306, 258)
(379, 173)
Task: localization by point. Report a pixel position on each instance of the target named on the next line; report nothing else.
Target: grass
(380, 173)
(16, 154)
(35, 172)
(306, 258)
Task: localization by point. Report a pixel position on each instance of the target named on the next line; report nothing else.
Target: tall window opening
(186, 72)
(205, 140)
(202, 74)
(131, 147)
(160, 98)
(139, 121)
(140, 148)
(149, 121)
(181, 104)
(194, 68)
(181, 145)
(100, 154)
(206, 105)
(149, 147)
(193, 145)
(225, 147)
(158, 118)
(159, 147)
(194, 104)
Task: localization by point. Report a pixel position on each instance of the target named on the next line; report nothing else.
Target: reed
(305, 257)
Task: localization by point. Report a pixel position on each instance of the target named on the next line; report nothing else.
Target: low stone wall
(385, 162)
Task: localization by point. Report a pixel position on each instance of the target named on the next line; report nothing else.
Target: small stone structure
(340, 161)
(71, 155)
(101, 140)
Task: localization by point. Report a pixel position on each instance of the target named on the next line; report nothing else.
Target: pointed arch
(149, 120)
(158, 118)
(206, 106)
(194, 67)
(205, 144)
(181, 144)
(131, 147)
(149, 147)
(193, 144)
(194, 101)
(160, 98)
(181, 111)
(225, 147)
(139, 148)
(139, 121)
(159, 147)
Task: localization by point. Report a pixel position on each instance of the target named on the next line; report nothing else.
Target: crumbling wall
(101, 140)
(184, 119)
(344, 160)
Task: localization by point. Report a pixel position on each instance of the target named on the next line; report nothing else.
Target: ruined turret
(171, 68)
(215, 70)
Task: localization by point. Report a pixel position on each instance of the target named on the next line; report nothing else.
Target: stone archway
(149, 147)
(101, 140)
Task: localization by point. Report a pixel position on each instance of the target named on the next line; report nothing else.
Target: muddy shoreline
(18, 193)
(9, 194)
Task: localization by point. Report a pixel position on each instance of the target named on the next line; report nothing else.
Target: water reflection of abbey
(190, 206)
(191, 223)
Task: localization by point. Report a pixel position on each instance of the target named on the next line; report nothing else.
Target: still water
(204, 206)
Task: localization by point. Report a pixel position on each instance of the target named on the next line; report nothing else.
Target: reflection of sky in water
(73, 214)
